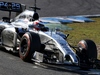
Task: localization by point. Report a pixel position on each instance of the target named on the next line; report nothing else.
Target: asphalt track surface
(11, 64)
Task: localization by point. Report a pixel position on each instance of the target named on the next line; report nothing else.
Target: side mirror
(67, 36)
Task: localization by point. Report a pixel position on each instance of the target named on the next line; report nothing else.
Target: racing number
(3, 4)
(15, 6)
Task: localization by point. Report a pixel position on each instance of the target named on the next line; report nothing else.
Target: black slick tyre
(87, 53)
(30, 43)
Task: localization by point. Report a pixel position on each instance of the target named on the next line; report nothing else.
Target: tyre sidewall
(28, 38)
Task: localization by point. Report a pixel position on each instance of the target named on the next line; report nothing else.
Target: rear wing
(11, 6)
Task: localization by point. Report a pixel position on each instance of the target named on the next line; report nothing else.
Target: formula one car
(36, 41)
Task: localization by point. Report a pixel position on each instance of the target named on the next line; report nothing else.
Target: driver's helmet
(39, 26)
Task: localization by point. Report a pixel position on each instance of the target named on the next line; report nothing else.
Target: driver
(37, 25)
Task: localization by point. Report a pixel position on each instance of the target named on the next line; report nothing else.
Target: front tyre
(87, 53)
(30, 43)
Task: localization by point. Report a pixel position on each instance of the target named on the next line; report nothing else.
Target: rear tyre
(87, 53)
(30, 43)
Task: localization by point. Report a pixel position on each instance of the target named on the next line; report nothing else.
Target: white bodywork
(23, 20)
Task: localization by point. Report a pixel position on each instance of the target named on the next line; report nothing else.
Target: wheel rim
(24, 46)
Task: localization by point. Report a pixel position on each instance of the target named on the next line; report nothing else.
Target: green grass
(90, 30)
